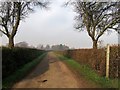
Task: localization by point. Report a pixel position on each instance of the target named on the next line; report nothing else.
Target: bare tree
(11, 13)
(47, 47)
(96, 18)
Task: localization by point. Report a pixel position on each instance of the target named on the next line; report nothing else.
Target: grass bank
(20, 73)
(89, 74)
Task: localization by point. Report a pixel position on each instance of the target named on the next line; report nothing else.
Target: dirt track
(52, 73)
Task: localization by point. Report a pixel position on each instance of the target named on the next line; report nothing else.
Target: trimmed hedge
(114, 61)
(14, 59)
(96, 59)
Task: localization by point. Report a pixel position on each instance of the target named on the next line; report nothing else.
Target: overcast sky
(55, 26)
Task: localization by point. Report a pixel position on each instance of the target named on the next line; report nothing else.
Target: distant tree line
(53, 47)
(24, 45)
(59, 47)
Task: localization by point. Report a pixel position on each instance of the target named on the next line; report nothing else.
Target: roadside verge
(89, 74)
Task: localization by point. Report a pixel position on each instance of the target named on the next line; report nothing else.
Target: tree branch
(107, 26)
(3, 32)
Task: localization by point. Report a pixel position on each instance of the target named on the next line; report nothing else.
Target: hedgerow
(14, 59)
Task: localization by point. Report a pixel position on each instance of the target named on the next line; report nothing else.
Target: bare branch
(3, 32)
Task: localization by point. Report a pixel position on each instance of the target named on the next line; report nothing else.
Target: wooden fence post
(107, 61)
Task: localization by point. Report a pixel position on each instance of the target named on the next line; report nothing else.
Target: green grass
(90, 74)
(19, 74)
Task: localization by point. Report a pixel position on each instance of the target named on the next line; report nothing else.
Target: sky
(55, 26)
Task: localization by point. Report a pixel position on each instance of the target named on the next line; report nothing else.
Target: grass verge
(89, 74)
(19, 74)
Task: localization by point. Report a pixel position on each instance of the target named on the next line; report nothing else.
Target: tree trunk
(11, 42)
(94, 44)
